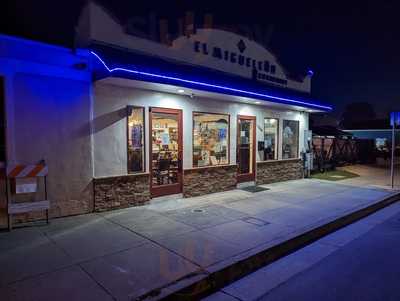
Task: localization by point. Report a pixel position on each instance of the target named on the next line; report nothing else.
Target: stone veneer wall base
(121, 191)
(205, 180)
(278, 171)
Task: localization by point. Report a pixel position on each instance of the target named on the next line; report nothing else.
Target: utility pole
(394, 120)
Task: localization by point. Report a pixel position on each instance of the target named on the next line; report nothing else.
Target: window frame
(128, 109)
(277, 136)
(228, 137)
(298, 138)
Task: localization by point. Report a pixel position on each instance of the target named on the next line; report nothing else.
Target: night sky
(352, 47)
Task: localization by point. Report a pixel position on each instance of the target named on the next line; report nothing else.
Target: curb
(207, 284)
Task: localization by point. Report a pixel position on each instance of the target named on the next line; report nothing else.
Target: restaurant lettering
(261, 70)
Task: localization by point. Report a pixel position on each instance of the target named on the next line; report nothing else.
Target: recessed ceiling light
(258, 102)
(181, 91)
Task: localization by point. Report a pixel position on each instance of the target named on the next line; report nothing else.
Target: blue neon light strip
(186, 81)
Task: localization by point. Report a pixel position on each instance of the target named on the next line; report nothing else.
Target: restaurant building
(124, 118)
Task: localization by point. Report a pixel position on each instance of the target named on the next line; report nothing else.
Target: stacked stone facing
(205, 180)
(278, 171)
(121, 191)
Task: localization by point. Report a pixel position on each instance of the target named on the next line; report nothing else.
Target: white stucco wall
(48, 105)
(52, 123)
(110, 142)
(54, 112)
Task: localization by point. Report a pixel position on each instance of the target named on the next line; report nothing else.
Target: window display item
(210, 139)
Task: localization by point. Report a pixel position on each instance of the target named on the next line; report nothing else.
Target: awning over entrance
(126, 64)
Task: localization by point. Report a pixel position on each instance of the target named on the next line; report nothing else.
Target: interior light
(181, 91)
(258, 102)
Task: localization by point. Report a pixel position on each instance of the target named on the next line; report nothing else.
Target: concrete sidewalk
(127, 253)
(372, 176)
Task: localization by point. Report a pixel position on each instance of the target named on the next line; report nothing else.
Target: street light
(394, 121)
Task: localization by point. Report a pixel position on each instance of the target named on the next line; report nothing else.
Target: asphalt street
(368, 268)
(358, 262)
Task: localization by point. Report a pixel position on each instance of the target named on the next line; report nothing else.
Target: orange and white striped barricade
(24, 179)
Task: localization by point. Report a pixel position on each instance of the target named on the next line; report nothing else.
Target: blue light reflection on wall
(213, 87)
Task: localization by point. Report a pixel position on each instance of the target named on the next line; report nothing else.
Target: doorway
(246, 141)
(165, 151)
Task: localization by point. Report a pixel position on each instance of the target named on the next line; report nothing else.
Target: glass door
(246, 156)
(165, 151)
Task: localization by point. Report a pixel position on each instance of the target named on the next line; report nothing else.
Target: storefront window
(290, 139)
(210, 139)
(135, 139)
(270, 139)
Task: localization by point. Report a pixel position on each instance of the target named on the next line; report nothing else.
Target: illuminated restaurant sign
(261, 69)
(210, 48)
